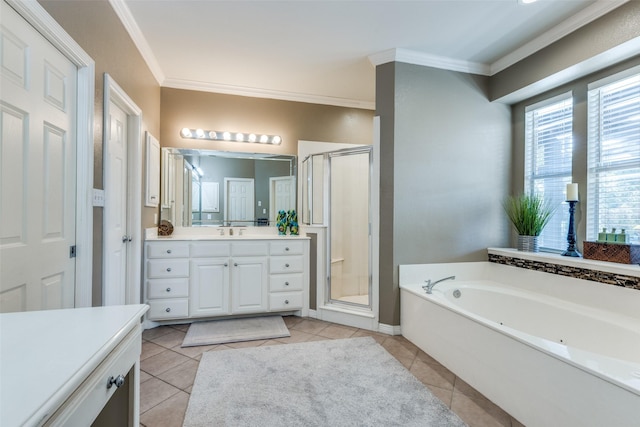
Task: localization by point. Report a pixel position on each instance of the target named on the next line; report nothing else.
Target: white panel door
(282, 191)
(115, 209)
(37, 169)
(249, 285)
(239, 201)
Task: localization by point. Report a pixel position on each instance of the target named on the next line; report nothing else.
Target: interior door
(239, 201)
(37, 169)
(282, 191)
(116, 231)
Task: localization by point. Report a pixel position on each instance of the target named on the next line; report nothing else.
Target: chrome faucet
(429, 286)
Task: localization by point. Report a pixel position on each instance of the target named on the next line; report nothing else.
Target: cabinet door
(209, 287)
(249, 284)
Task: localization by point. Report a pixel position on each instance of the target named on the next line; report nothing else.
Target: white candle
(572, 192)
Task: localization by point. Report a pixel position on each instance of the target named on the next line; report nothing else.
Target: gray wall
(450, 163)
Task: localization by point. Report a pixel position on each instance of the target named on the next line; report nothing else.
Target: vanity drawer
(168, 308)
(167, 288)
(167, 250)
(88, 400)
(249, 248)
(167, 268)
(210, 249)
(285, 264)
(282, 301)
(285, 282)
(287, 247)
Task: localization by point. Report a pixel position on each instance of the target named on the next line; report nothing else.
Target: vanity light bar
(213, 135)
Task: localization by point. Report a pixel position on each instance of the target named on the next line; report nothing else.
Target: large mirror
(213, 188)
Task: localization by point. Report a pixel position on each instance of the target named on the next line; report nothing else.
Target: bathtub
(550, 350)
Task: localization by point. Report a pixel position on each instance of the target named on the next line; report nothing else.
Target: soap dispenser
(602, 237)
(611, 237)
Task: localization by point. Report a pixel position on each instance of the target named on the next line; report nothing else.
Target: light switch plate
(98, 197)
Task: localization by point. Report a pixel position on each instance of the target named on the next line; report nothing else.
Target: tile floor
(168, 371)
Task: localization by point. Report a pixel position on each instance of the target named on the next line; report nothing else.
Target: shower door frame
(328, 301)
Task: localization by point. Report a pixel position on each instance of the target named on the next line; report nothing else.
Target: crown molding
(138, 38)
(580, 19)
(418, 58)
(267, 93)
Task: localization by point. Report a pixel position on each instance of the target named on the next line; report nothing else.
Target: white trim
(267, 93)
(138, 38)
(36, 16)
(614, 78)
(580, 19)
(313, 314)
(419, 58)
(389, 329)
(548, 101)
(113, 92)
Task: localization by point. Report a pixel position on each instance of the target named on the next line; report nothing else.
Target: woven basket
(623, 254)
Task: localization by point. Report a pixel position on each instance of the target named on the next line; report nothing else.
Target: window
(548, 160)
(613, 166)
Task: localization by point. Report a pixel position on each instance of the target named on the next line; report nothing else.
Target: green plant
(529, 213)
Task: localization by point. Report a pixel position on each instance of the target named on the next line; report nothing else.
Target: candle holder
(571, 235)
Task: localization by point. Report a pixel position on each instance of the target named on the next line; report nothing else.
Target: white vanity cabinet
(225, 277)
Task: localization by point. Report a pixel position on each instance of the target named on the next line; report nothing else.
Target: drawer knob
(168, 310)
(117, 381)
(168, 289)
(235, 264)
(286, 283)
(286, 265)
(286, 249)
(226, 264)
(169, 269)
(286, 301)
(168, 251)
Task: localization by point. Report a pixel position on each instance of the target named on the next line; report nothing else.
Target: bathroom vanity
(207, 272)
(62, 367)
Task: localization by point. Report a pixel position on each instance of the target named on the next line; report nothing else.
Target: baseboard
(390, 329)
(313, 314)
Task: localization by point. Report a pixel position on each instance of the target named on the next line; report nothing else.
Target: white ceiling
(325, 51)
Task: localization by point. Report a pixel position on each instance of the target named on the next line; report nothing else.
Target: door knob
(126, 239)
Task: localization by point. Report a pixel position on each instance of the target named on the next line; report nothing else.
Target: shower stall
(336, 195)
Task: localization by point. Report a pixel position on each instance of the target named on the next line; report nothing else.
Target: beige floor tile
(181, 376)
(296, 336)
(150, 349)
(516, 423)
(435, 375)
(310, 326)
(290, 321)
(337, 332)
(272, 342)
(145, 376)
(194, 352)
(426, 358)
(400, 351)
(162, 362)
(148, 334)
(169, 413)
(405, 343)
(172, 339)
(317, 338)
(153, 392)
(441, 393)
(475, 409)
(183, 327)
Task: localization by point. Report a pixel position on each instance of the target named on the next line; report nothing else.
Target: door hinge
(72, 251)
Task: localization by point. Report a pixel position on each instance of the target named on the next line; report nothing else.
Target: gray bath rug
(235, 330)
(349, 382)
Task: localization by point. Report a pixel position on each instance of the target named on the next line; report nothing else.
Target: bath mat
(235, 330)
(348, 382)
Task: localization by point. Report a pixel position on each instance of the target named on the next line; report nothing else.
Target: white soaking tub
(548, 349)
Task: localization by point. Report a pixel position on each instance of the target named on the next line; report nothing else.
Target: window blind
(548, 161)
(613, 165)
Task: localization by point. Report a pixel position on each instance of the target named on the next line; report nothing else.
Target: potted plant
(529, 214)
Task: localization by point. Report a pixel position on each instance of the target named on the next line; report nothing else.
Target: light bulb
(252, 137)
(226, 136)
(186, 133)
(264, 139)
(276, 140)
(239, 137)
(199, 133)
(213, 135)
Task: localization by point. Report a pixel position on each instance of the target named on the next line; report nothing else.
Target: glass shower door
(349, 227)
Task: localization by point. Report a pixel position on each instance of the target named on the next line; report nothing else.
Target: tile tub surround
(168, 372)
(627, 276)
